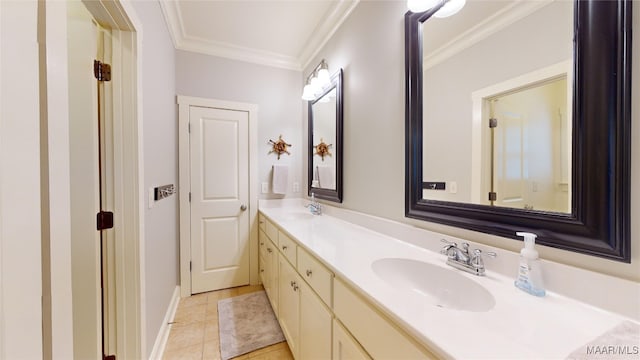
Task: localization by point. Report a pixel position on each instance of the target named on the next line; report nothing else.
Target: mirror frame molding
(599, 223)
(328, 194)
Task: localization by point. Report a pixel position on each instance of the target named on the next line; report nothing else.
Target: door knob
(243, 207)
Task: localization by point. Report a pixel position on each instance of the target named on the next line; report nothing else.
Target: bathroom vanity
(341, 290)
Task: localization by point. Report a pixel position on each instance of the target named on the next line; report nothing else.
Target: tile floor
(194, 333)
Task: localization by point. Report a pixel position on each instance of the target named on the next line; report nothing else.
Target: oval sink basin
(442, 287)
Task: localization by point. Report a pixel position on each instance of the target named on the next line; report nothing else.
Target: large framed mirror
(518, 117)
(325, 142)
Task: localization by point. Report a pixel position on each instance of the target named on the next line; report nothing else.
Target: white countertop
(518, 326)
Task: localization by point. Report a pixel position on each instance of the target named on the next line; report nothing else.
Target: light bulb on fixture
(323, 74)
(307, 93)
(315, 85)
(450, 8)
(417, 6)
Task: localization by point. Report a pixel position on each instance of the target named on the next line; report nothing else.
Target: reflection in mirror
(559, 162)
(325, 142)
(497, 103)
(324, 135)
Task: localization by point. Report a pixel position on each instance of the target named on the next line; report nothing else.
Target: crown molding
(173, 18)
(323, 32)
(492, 24)
(235, 52)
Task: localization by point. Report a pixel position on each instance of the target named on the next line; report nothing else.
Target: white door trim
(184, 102)
(128, 165)
(479, 133)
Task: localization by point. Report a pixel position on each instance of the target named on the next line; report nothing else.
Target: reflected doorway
(528, 151)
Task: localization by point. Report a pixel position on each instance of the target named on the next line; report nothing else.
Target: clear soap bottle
(529, 271)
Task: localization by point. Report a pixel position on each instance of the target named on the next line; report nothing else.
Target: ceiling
(285, 33)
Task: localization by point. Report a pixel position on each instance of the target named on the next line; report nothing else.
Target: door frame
(184, 103)
(127, 176)
(480, 158)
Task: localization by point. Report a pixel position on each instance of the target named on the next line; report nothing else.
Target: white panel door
(219, 159)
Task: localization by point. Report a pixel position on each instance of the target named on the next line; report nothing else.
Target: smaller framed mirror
(325, 142)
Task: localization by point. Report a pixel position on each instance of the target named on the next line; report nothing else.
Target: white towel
(326, 177)
(280, 179)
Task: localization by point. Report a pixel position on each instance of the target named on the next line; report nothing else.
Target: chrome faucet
(314, 206)
(460, 258)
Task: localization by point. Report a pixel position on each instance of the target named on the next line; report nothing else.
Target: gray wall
(276, 91)
(160, 128)
(370, 47)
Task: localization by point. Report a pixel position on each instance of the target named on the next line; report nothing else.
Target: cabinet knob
(269, 250)
(284, 248)
(262, 243)
(292, 282)
(261, 270)
(309, 272)
(243, 207)
(295, 287)
(261, 221)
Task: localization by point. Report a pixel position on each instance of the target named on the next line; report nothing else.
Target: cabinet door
(289, 304)
(344, 346)
(315, 326)
(271, 275)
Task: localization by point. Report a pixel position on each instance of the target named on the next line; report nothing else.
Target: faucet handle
(476, 260)
(465, 247)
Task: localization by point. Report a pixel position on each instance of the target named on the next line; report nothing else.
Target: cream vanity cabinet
(304, 318)
(321, 316)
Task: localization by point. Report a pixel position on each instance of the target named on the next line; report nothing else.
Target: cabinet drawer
(271, 231)
(262, 222)
(315, 274)
(287, 246)
(378, 335)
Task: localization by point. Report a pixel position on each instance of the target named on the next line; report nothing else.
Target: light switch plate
(296, 187)
(265, 187)
(453, 187)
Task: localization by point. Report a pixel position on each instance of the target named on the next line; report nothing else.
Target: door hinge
(101, 71)
(189, 128)
(190, 266)
(189, 196)
(109, 357)
(493, 196)
(493, 122)
(104, 220)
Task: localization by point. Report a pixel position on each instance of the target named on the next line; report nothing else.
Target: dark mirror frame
(327, 194)
(599, 223)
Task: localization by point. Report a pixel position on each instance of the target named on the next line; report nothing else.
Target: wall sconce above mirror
(325, 141)
(317, 81)
(522, 126)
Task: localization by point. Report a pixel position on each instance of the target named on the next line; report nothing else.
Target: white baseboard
(163, 334)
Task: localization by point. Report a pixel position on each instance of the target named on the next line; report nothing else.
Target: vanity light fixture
(317, 81)
(451, 7)
(417, 6)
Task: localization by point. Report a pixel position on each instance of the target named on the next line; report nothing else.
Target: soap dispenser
(529, 272)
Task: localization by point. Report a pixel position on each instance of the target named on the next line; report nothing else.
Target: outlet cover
(265, 187)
